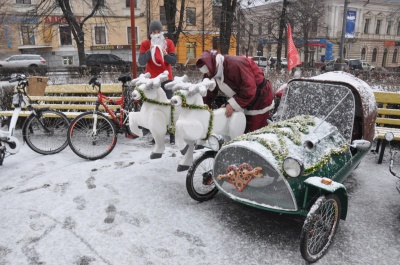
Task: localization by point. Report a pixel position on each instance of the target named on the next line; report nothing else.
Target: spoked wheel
(132, 106)
(46, 134)
(199, 181)
(92, 136)
(320, 227)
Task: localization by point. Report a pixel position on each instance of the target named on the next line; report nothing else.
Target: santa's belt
(259, 87)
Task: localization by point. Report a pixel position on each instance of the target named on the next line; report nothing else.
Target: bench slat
(387, 121)
(387, 97)
(380, 132)
(83, 89)
(394, 112)
(66, 99)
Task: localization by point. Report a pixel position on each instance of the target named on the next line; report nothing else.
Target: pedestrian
(158, 54)
(243, 82)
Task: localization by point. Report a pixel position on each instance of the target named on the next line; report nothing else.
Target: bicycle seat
(124, 78)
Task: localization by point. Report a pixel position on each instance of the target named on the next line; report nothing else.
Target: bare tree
(228, 10)
(174, 27)
(306, 16)
(76, 24)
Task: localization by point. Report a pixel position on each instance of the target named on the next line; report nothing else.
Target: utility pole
(133, 38)
(342, 39)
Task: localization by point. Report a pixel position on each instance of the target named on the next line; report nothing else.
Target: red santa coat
(241, 77)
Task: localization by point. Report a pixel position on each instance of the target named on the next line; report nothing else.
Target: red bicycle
(93, 134)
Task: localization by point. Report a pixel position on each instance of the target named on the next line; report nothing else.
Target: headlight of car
(389, 136)
(293, 167)
(215, 141)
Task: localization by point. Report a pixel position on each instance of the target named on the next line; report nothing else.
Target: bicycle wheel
(46, 133)
(199, 181)
(89, 144)
(132, 106)
(320, 227)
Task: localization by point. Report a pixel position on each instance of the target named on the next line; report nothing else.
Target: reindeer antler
(177, 80)
(208, 83)
(141, 79)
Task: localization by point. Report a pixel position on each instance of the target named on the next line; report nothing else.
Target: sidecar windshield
(333, 103)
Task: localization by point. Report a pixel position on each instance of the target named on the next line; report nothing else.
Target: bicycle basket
(37, 85)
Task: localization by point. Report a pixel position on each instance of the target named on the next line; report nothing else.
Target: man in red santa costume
(243, 82)
(158, 54)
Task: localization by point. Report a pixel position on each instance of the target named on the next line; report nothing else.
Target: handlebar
(93, 82)
(19, 78)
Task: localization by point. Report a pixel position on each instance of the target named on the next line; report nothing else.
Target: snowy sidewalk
(127, 209)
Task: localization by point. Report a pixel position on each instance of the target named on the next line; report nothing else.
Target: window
(100, 35)
(378, 26)
(23, 2)
(374, 53)
(398, 29)
(216, 16)
(363, 51)
(67, 60)
(28, 35)
(251, 29)
(191, 16)
(366, 25)
(128, 3)
(389, 27)
(129, 35)
(65, 35)
(259, 28)
(190, 50)
(394, 59)
(163, 17)
(101, 3)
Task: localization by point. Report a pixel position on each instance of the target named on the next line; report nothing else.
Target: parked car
(260, 61)
(366, 66)
(354, 64)
(272, 61)
(330, 66)
(99, 60)
(23, 62)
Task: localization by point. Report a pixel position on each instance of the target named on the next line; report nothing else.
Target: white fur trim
(261, 111)
(225, 88)
(220, 66)
(235, 105)
(204, 69)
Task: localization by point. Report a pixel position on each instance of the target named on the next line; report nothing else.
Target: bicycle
(44, 130)
(93, 134)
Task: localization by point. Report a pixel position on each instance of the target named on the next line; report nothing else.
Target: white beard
(158, 40)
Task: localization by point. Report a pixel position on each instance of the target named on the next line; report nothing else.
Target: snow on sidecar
(296, 165)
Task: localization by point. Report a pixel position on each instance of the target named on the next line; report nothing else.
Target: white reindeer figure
(155, 113)
(196, 121)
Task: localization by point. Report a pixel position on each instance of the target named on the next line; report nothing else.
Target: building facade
(372, 31)
(50, 35)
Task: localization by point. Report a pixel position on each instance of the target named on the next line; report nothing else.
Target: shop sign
(112, 47)
(58, 19)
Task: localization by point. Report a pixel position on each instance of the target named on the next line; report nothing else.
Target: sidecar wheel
(320, 227)
(199, 181)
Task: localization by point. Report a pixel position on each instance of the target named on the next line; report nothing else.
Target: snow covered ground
(127, 209)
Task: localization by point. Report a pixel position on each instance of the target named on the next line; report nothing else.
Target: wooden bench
(388, 119)
(72, 99)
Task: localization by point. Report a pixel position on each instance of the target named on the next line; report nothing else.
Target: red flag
(293, 55)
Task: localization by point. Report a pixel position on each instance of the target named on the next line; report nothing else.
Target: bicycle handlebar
(93, 82)
(17, 78)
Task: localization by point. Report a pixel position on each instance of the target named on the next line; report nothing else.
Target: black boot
(172, 138)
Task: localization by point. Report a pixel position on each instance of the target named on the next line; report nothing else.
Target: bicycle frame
(102, 100)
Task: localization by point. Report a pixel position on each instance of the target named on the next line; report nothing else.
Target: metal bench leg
(378, 143)
(382, 151)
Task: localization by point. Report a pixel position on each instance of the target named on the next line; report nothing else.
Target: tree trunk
(282, 25)
(227, 11)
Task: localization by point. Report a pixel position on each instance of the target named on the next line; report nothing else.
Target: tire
(132, 106)
(320, 227)
(46, 142)
(2, 153)
(199, 182)
(84, 143)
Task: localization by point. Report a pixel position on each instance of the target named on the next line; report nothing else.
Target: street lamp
(133, 38)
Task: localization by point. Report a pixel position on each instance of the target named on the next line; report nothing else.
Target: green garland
(171, 128)
(198, 107)
(297, 125)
